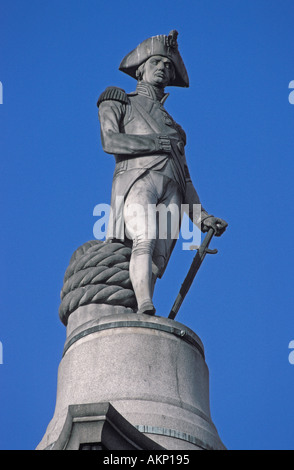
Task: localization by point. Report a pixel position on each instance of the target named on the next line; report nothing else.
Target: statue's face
(158, 71)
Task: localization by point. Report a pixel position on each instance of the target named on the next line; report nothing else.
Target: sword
(202, 250)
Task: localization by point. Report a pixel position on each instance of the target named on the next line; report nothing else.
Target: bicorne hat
(163, 45)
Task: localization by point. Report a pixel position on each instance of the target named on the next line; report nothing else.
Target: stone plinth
(152, 370)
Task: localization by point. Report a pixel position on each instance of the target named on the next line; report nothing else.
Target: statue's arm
(118, 143)
(192, 199)
(202, 219)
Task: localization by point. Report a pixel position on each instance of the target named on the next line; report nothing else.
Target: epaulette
(113, 93)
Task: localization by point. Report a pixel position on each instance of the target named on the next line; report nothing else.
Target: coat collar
(145, 89)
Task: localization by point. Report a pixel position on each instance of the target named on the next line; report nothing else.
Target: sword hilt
(207, 250)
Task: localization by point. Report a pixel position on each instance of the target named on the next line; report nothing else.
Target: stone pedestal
(151, 370)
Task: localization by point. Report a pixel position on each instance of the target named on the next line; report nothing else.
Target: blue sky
(56, 58)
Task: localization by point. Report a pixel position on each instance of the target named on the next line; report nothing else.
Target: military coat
(133, 128)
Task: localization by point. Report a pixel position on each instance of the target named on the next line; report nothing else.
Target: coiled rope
(98, 272)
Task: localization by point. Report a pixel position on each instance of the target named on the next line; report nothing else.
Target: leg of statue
(152, 237)
(141, 276)
(136, 224)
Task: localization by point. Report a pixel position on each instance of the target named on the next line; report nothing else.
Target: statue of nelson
(151, 167)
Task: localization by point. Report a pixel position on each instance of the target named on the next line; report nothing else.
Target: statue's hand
(218, 225)
(164, 143)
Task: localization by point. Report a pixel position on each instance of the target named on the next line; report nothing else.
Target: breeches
(152, 213)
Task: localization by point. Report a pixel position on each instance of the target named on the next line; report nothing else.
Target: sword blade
(196, 263)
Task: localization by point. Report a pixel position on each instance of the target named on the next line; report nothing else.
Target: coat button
(181, 147)
(168, 121)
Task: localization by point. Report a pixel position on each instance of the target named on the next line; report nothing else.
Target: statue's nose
(160, 66)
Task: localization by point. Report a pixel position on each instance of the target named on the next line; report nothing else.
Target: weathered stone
(151, 369)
